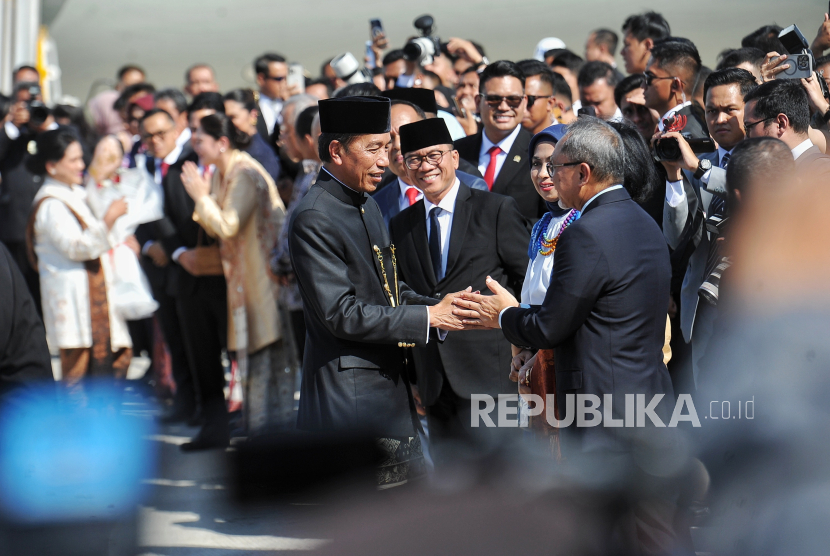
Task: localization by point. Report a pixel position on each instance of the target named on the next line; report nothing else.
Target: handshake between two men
(469, 310)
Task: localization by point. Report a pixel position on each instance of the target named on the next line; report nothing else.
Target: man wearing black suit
(605, 309)
(201, 306)
(781, 109)
(454, 238)
(500, 149)
(19, 186)
(402, 194)
(160, 134)
(359, 317)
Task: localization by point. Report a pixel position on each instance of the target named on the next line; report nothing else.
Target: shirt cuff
(705, 177)
(178, 253)
(146, 247)
(501, 313)
(674, 193)
(11, 131)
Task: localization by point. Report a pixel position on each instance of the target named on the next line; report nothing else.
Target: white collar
(183, 137)
(617, 117)
(801, 148)
(505, 144)
(448, 202)
(174, 155)
(671, 112)
(606, 190)
(269, 100)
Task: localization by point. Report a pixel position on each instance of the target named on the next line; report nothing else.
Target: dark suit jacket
(24, 356)
(604, 313)
(353, 366)
(262, 153)
(388, 198)
(488, 238)
(178, 229)
(18, 188)
(514, 177)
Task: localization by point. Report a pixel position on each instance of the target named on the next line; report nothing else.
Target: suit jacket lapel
(418, 225)
(513, 164)
(460, 220)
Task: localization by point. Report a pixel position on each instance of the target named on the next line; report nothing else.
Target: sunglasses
(494, 101)
(157, 135)
(531, 99)
(277, 78)
(651, 78)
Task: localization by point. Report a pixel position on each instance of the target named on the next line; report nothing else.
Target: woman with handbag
(69, 247)
(241, 207)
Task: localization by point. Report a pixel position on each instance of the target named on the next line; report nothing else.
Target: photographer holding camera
(28, 116)
(695, 208)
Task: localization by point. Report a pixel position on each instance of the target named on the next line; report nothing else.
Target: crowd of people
(346, 228)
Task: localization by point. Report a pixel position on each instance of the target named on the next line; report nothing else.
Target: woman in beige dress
(240, 206)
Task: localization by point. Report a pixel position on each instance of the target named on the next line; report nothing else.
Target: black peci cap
(356, 115)
(422, 98)
(423, 134)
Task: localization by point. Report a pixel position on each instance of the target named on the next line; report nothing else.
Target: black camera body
(425, 48)
(668, 148)
(38, 111)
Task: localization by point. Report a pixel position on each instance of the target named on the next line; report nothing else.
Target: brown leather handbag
(208, 260)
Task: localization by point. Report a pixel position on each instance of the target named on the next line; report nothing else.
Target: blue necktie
(435, 242)
(718, 204)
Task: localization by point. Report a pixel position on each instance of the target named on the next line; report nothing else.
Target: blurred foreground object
(73, 466)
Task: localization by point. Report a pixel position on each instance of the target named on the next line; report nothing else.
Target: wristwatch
(703, 166)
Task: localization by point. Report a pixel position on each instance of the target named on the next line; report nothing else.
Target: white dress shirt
(617, 117)
(801, 148)
(403, 200)
(170, 159)
(271, 109)
(444, 220)
(674, 189)
(505, 145)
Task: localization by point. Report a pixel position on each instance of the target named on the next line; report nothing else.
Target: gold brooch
(517, 158)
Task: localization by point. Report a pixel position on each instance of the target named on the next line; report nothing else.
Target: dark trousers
(298, 328)
(203, 313)
(453, 440)
(19, 254)
(171, 329)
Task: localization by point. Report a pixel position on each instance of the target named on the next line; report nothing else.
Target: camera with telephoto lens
(38, 111)
(425, 48)
(668, 148)
(800, 63)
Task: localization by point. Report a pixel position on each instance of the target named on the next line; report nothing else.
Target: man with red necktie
(500, 149)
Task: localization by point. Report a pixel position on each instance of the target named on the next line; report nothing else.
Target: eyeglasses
(157, 135)
(494, 101)
(748, 126)
(276, 78)
(434, 159)
(552, 167)
(650, 78)
(531, 99)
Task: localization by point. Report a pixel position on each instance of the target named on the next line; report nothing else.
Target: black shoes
(212, 436)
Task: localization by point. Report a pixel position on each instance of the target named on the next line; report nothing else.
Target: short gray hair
(596, 143)
(299, 103)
